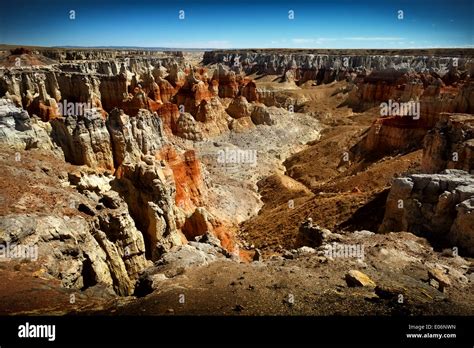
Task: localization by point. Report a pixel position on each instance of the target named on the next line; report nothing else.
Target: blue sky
(240, 24)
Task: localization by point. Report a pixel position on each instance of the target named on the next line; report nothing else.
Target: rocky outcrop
(436, 206)
(398, 133)
(390, 135)
(113, 90)
(185, 171)
(167, 91)
(249, 90)
(198, 224)
(435, 95)
(90, 140)
(37, 92)
(327, 67)
(169, 114)
(133, 137)
(94, 54)
(381, 86)
(357, 278)
(150, 195)
(176, 262)
(241, 125)
(84, 140)
(213, 116)
(263, 115)
(450, 145)
(98, 245)
(239, 107)
(188, 128)
(227, 82)
(176, 76)
(310, 234)
(131, 83)
(20, 131)
(193, 92)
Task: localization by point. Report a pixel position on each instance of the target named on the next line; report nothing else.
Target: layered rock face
(325, 68)
(111, 246)
(439, 207)
(96, 245)
(84, 140)
(91, 55)
(21, 132)
(104, 80)
(225, 82)
(450, 92)
(84, 83)
(133, 137)
(93, 141)
(430, 95)
(389, 136)
(450, 145)
(150, 197)
(186, 171)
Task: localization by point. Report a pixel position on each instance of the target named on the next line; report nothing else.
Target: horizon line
(471, 47)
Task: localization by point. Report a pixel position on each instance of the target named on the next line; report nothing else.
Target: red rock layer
(187, 176)
(169, 114)
(249, 90)
(394, 134)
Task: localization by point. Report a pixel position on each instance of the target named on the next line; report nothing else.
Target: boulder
(357, 278)
(311, 235)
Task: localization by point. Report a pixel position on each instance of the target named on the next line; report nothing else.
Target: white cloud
(312, 40)
(321, 40)
(372, 38)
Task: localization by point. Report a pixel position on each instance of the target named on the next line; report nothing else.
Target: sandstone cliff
(450, 145)
(325, 68)
(436, 206)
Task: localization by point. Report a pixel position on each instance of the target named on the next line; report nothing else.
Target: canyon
(162, 183)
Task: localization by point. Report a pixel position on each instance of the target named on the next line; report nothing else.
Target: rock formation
(150, 196)
(325, 68)
(21, 132)
(226, 80)
(98, 245)
(397, 133)
(450, 145)
(436, 206)
(239, 107)
(84, 140)
(133, 137)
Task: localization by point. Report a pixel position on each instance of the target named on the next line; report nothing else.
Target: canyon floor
(238, 239)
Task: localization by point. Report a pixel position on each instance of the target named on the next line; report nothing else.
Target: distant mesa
(19, 51)
(21, 57)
